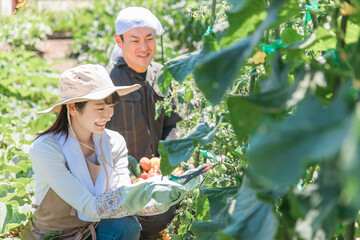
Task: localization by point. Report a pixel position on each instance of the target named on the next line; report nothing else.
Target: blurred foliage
(27, 85)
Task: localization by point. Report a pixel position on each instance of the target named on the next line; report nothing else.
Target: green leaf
(51, 235)
(41, 123)
(352, 32)
(244, 116)
(280, 150)
(202, 208)
(288, 10)
(173, 152)
(244, 20)
(206, 230)
(219, 199)
(317, 204)
(220, 202)
(178, 68)
(251, 217)
(215, 72)
(214, 81)
(350, 166)
(245, 112)
(325, 40)
(9, 217)
(290, 35)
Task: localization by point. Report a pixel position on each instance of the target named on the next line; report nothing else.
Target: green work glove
(159, 188)
(158, 194)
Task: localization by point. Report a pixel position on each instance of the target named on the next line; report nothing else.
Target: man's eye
(100, 109)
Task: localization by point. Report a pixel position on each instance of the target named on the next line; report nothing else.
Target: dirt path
(56, 52)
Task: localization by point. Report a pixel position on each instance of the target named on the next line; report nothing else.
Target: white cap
(135, 17)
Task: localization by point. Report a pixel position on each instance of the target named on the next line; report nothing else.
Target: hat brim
(97, 95)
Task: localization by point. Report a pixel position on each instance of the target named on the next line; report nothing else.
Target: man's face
(138, 46)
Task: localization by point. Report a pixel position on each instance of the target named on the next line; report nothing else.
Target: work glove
(152, 196)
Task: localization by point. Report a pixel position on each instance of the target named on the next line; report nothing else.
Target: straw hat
(135, 17)
(87, 82)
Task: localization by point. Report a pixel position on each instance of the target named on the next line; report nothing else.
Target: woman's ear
(71, 109)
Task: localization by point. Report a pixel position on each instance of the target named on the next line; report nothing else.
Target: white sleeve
(49, 164)
(120, 158)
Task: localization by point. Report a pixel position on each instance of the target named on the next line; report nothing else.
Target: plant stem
(343, 27)
(340, 36)
(162, 49)
(313, 17)
(196, 158)
(231, 150)
(252, 81)
(350, 231)
(213, 8)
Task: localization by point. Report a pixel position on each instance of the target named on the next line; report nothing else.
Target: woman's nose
(108, 114)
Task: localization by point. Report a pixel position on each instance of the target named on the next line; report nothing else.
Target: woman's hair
(61, 125)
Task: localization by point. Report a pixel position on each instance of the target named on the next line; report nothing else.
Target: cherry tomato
(222, 168)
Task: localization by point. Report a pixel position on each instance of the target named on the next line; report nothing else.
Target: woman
(82, 183)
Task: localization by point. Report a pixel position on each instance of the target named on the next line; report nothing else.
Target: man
(136, 29)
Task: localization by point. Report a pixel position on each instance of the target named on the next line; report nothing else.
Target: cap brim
(98, 95)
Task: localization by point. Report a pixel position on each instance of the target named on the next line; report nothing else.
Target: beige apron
(54, 214)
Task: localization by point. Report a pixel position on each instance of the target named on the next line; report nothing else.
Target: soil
(57, 52)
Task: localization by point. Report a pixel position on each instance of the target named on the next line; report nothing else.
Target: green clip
(208, 31)
(271, 48)
(239, 149)
(206, 154)
(312, 7)
(206, 102)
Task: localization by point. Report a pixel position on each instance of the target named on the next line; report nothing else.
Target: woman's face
(92, 118)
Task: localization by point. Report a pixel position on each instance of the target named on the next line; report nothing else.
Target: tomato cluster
(151, 167)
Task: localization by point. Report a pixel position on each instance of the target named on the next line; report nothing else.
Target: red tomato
(144, 175)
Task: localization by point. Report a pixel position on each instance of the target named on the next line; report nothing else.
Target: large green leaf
(316, 206)
(180, 67)
(287, 11)
(251, 217)
(244, 20)
(219, 199)
(220, 202)
(244, 116)
(207, 230)
(215, 72)
(173, 152)
(245, 112)
(352, 32)
(350, 166)
(9, 217)
(280, 150)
